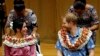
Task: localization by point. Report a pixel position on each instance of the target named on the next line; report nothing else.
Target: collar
(77, 33)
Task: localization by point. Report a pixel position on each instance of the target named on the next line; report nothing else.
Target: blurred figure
(2, 19)
(73, 40)
(19, 44)
(87, 15)
(21, 12)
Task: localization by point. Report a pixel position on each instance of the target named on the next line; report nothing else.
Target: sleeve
(7, 51)
(33, 17)
(9, 19)
(90, 44)
(71, 9)
(58, 45)
(93, 14)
